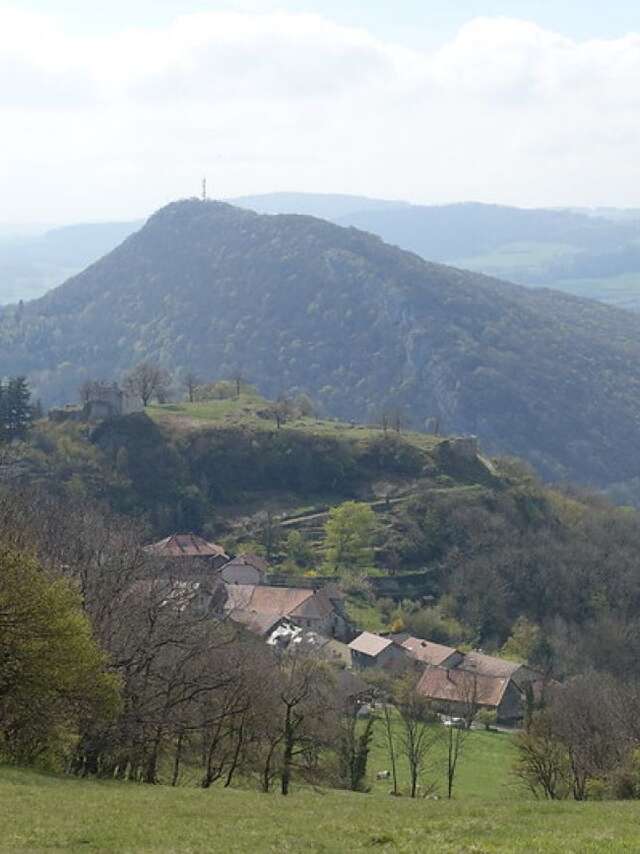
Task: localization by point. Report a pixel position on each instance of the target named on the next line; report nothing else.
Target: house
(489, 665)
(245, 569)
(103, 400)
(370, 650)
(107, 400)
(462, 692)
(191, 549)
(425, 653)
(202, 598)
(285, 633)
(309, 609)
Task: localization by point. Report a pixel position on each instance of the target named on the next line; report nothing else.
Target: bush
(487, 718)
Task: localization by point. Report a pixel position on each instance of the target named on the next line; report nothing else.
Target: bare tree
(418, 734)
(238, 380)
(542, 763)
(191, 382)
(455, 742)
(281, 411)
(354, 744)
(147, 381)
(305, 704)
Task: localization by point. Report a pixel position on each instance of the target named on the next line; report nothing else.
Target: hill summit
(300, 304)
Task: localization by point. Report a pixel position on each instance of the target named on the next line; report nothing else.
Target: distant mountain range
(300, 304)
(591, 253)
(31, 264)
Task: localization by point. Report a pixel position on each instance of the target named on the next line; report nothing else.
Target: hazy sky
(109, 110)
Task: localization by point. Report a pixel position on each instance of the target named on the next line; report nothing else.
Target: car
(458, 723)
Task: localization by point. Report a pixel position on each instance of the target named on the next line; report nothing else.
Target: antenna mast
(204, 189)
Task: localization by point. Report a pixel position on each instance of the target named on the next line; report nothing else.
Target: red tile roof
(426, 651)
(185, 545)
(280, 601)
(462, 686)
(489, 665)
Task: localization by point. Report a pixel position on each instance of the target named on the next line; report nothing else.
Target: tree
(191, 383)
(299, 549)
(16, 413)
(542, 762)
(418, 734)
(455, 742)
(53, 676)
(354, 744)
(147, 381)
(281, 411)
(304, 707)
(524, 642)
(238, 381)
(350, 534)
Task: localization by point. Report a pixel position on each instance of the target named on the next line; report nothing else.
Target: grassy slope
(39, 812)
(484, 769)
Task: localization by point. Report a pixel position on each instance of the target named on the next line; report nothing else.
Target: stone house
(461, 693)
(316, 610)
(425, 653)
(369, 650)
(187, 553)
(245, 569)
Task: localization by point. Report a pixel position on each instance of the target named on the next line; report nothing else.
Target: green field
(46, 813)
(249, 411)
(516, 256)
(484, 769)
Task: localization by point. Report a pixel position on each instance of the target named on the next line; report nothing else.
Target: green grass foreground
(42, 812)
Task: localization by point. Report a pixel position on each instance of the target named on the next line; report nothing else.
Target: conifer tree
(16, 413)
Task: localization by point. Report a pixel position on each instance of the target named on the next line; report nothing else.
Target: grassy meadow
(39, 812)
(249, 411)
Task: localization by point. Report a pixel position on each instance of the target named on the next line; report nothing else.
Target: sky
(110, 110)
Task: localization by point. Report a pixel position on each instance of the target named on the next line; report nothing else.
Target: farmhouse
(425, 652)
(285, 633)
(245, 569)
(490, 665)
(255, 605)
(191, 549)
(462, 692)
(370, 650)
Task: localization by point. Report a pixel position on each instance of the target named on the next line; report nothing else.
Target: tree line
(110, 668)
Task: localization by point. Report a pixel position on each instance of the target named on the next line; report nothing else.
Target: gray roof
(369, 644)
(489, 665)
(427, 652)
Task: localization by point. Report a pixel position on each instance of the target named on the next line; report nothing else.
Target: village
(457, 684)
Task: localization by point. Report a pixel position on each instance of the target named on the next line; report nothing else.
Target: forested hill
(299, 304)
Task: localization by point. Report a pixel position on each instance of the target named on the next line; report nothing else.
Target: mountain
(591, 253)
(32, 264)
(299, 304)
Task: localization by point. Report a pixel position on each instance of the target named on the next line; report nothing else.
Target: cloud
(505, 111)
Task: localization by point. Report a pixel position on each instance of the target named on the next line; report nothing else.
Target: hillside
(117, 816)
(463, 547)
(593, 254)
(299, 304)
(212, 465)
